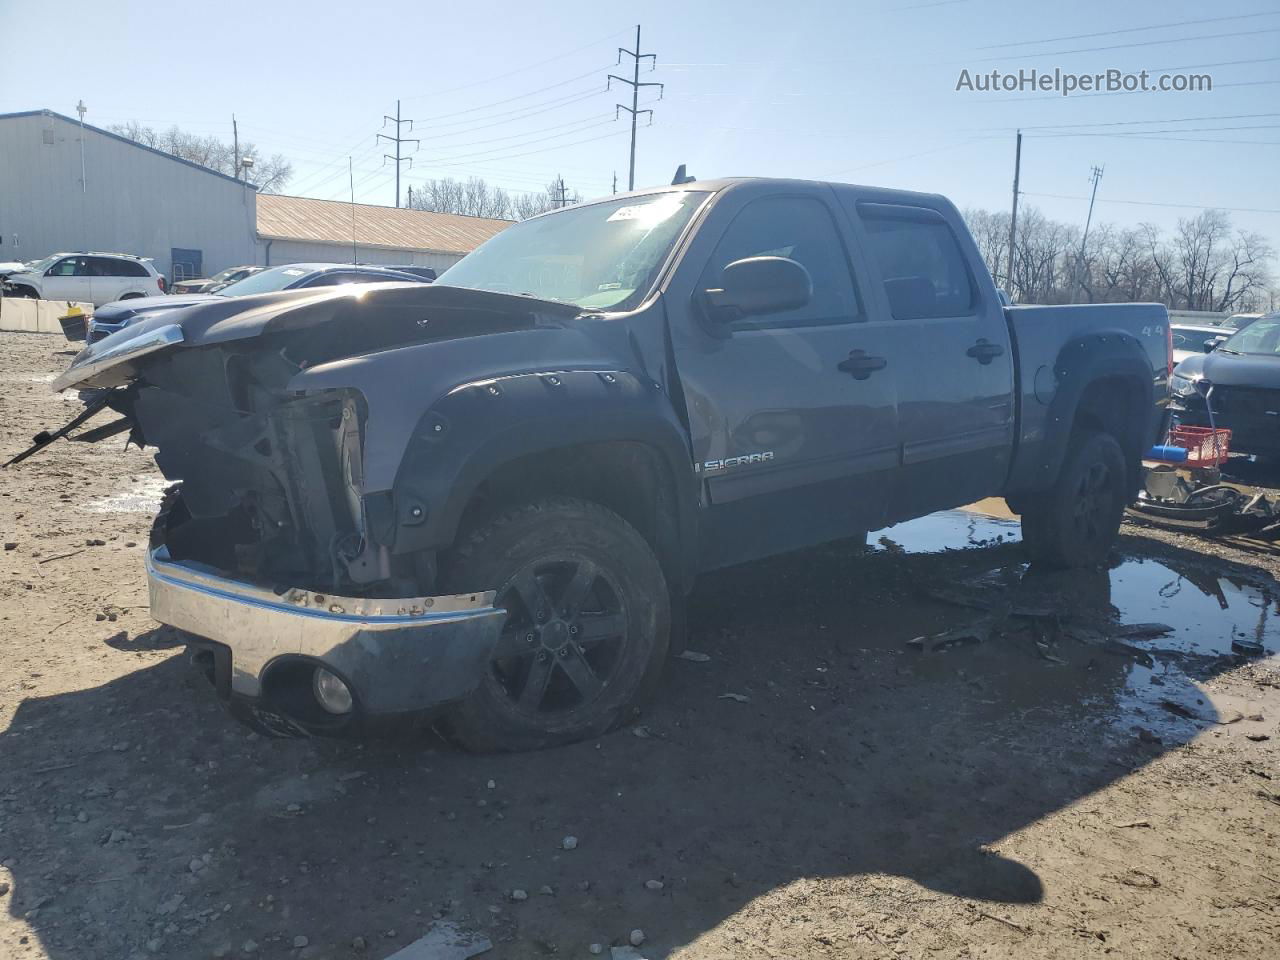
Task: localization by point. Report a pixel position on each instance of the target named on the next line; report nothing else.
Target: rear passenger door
(792, 441)
(107, 279)
(956, 404)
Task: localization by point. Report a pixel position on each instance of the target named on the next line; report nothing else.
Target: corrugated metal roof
(329, 221)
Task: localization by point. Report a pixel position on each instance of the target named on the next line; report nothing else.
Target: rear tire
(587, 630)
(1075, 523)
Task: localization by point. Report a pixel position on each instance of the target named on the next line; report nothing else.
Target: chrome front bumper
(397, 655)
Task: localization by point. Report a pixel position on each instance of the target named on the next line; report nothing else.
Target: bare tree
(476, 198)
(1204, 265)
(268, 174)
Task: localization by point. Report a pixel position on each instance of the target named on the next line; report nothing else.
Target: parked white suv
(95, 278)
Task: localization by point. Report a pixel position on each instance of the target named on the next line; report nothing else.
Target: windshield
(268, 281)
(40, 266)
(597, 256)
(1260, 338)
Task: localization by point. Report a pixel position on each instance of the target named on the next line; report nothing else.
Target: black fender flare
(480, 426)
(1081, 364)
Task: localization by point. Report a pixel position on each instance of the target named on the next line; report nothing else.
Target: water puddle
(137, 495)
(948, 530)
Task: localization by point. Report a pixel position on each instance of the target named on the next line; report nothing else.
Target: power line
(635, 85)
(1153, 203)
(1110, 33)
(397, 140)
(510, 73)
(1127, 46)
(1132, 123)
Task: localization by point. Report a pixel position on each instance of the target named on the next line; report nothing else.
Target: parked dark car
(215, 283)
(426, 273)
(111, 317)
(1189, 339)
(1241, 380)
(488, 497)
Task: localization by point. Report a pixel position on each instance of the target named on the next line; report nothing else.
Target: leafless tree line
(268, 174)
(1205, 264)
(474, 197)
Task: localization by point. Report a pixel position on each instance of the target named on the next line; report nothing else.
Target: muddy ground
(1031, 795)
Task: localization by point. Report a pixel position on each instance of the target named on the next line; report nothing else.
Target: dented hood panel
(364, 313)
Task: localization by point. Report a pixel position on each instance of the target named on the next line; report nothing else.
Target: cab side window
(801, 229)
(921, 264)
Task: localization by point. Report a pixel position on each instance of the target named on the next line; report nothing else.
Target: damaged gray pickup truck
(483, 501)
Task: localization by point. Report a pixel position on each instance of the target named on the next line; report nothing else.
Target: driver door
(792, 440)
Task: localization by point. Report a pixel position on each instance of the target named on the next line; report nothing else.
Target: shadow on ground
(137, 819)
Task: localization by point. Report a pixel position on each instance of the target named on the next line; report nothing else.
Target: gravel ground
(1031, 795)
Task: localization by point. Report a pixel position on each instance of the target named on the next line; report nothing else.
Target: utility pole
(397, 140)
(84, 187)
(351, 179)
(615, 181)
(561, 198)
(635, 85)
(410, 196)
(235, 149)
(1096, 174)
(1013, 218)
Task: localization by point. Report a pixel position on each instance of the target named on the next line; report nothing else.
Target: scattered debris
(735, 697)
(1133, 823)
(654, 884)
(636, 937)
(1138, 878)
(443, 942)
(519, 896)
(300, 941)
(1270, 797)
(1008, 923)
(625, 953)
(1257, 737)
(1178, 710)
(1247, 648)
(693, 656)
(569, 843)
(596, 948)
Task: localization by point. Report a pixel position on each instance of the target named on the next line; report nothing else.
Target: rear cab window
(921, 265)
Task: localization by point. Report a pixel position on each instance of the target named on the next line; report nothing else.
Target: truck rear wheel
(1075, 523)
(587, 629)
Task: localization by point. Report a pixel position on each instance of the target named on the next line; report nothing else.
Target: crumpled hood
(1232, 370)
(362, 318)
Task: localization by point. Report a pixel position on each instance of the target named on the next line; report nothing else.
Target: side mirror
(757, 286)
(1212, 344)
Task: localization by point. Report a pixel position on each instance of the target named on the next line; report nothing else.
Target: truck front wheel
(587, 629)
(1075, 523)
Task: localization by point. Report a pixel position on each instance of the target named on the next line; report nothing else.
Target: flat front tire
(587, 629)
(1075, 523)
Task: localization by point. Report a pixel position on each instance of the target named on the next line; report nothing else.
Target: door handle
(860, 365)
(984, 351)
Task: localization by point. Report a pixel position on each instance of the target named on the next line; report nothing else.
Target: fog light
(333, 694)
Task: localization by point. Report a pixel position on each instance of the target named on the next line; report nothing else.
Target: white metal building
(132, 199)
(192, 221)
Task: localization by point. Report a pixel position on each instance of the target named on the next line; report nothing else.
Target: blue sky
(856, 91)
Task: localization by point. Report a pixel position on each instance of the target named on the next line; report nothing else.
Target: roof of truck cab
(721, 184)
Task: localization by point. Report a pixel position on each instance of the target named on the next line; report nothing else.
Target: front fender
(484, 424)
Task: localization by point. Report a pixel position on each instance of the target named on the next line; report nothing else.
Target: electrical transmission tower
(635, 85)
(397, 140)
